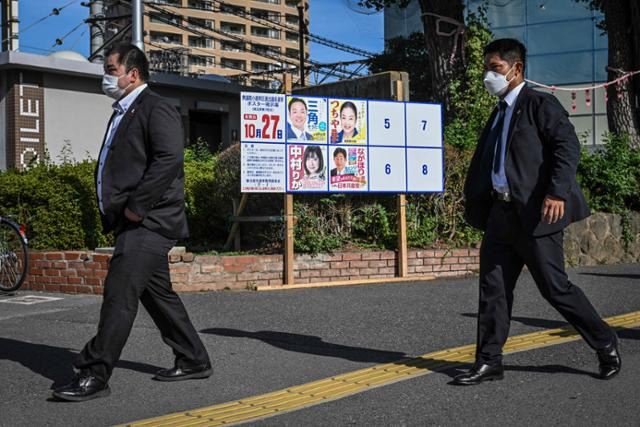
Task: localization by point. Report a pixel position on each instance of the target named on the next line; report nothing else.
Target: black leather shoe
(479, 373)
(179, 374)
(610, 361)
(83, 387)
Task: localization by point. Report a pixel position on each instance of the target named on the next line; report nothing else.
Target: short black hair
(294, 100)
(510, 50)
(131, 57)
(340, 150)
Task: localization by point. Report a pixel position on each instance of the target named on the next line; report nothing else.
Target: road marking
(339, 386)
(29, 300)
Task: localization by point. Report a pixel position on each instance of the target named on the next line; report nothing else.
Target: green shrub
(56, 203)
(610, 177)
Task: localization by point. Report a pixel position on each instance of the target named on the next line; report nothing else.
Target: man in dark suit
(139, 181)
(521, 190)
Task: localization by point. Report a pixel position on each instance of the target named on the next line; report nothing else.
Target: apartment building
(243, 38)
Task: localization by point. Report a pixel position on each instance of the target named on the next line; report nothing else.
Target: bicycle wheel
(13, 256)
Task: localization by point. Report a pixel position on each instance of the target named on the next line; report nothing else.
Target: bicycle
(14, 255)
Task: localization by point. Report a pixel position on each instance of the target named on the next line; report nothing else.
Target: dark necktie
(495, 137)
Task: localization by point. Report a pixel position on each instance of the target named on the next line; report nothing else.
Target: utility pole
(136, 16)
(302, 29)
(96, 16)
(10, 25)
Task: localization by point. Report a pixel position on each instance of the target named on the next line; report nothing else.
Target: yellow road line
(338, 386)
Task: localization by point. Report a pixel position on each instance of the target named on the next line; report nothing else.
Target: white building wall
(77, 112)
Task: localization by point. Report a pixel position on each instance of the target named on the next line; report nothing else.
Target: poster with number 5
(262, 117)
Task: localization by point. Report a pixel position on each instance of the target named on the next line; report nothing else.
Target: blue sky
(332, 19)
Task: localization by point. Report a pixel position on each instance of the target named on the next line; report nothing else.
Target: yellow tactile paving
(358, 381)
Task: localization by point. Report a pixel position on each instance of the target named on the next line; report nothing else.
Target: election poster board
(314, 144)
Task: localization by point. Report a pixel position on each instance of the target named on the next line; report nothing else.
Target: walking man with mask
(521, 190)
(139, 182)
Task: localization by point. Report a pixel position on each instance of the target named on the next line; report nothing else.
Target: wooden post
(288, 214)
(236, 212)
(403, 259)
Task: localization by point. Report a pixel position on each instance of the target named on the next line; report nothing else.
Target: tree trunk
(441, 47)
(622, 108)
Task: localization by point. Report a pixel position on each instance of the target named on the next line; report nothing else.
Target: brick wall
(84, 272)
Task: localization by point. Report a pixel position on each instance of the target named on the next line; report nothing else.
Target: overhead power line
(276, 57)
(54, 12)
(310, 36)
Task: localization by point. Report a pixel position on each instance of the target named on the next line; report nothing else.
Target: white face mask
(496, 83)
(110, 86)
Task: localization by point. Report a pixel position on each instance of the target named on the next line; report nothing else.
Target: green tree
(410, 55)
(621, 22)
(441, 22)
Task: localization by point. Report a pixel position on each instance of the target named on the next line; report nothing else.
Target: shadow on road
(621, 275)
(624, 333)
(311, 345)
(52, 362)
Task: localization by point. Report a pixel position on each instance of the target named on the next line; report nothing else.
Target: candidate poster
(306, 119)
(263, 168)
(348, 121)
(307, 170)
(349, 169)
(262, 117)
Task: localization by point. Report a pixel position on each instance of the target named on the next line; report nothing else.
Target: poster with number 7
(424, 125)
(262, 117)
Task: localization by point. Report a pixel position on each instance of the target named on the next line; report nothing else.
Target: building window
(199, 23)
(262, 66)
(292, 37)
(269, 1)
(231, 46)
(201, 4)
(262, 84)
(168, 38)
(265, 32)
(230, 27)
(203, 42)
(264, 49)
(164, 18)
(232, 10)
(167, 2)
(292, 53)
(291, 3)
(267, 15)
(201, 61)
(233, 64)
(292, 19)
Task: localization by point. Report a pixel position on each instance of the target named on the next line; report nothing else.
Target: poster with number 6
(262, 117)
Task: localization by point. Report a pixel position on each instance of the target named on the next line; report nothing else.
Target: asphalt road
(262, 342)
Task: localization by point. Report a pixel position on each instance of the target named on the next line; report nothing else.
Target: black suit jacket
(144, 169)
(541, 159)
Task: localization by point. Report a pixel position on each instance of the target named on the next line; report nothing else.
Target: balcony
(201, 4)
(265, 32)
(199, 23)
(167, 38)
(201, 42)
(231, 28)
(233, 64)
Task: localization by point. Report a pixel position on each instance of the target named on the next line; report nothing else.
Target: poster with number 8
(262, 117)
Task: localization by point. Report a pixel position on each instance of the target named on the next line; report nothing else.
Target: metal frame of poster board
(371, 149)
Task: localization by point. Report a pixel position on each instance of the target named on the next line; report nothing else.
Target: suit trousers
(505, 249)
(139, 270)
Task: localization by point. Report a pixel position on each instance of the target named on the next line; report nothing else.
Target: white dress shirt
(120, 107)
(499, 179)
